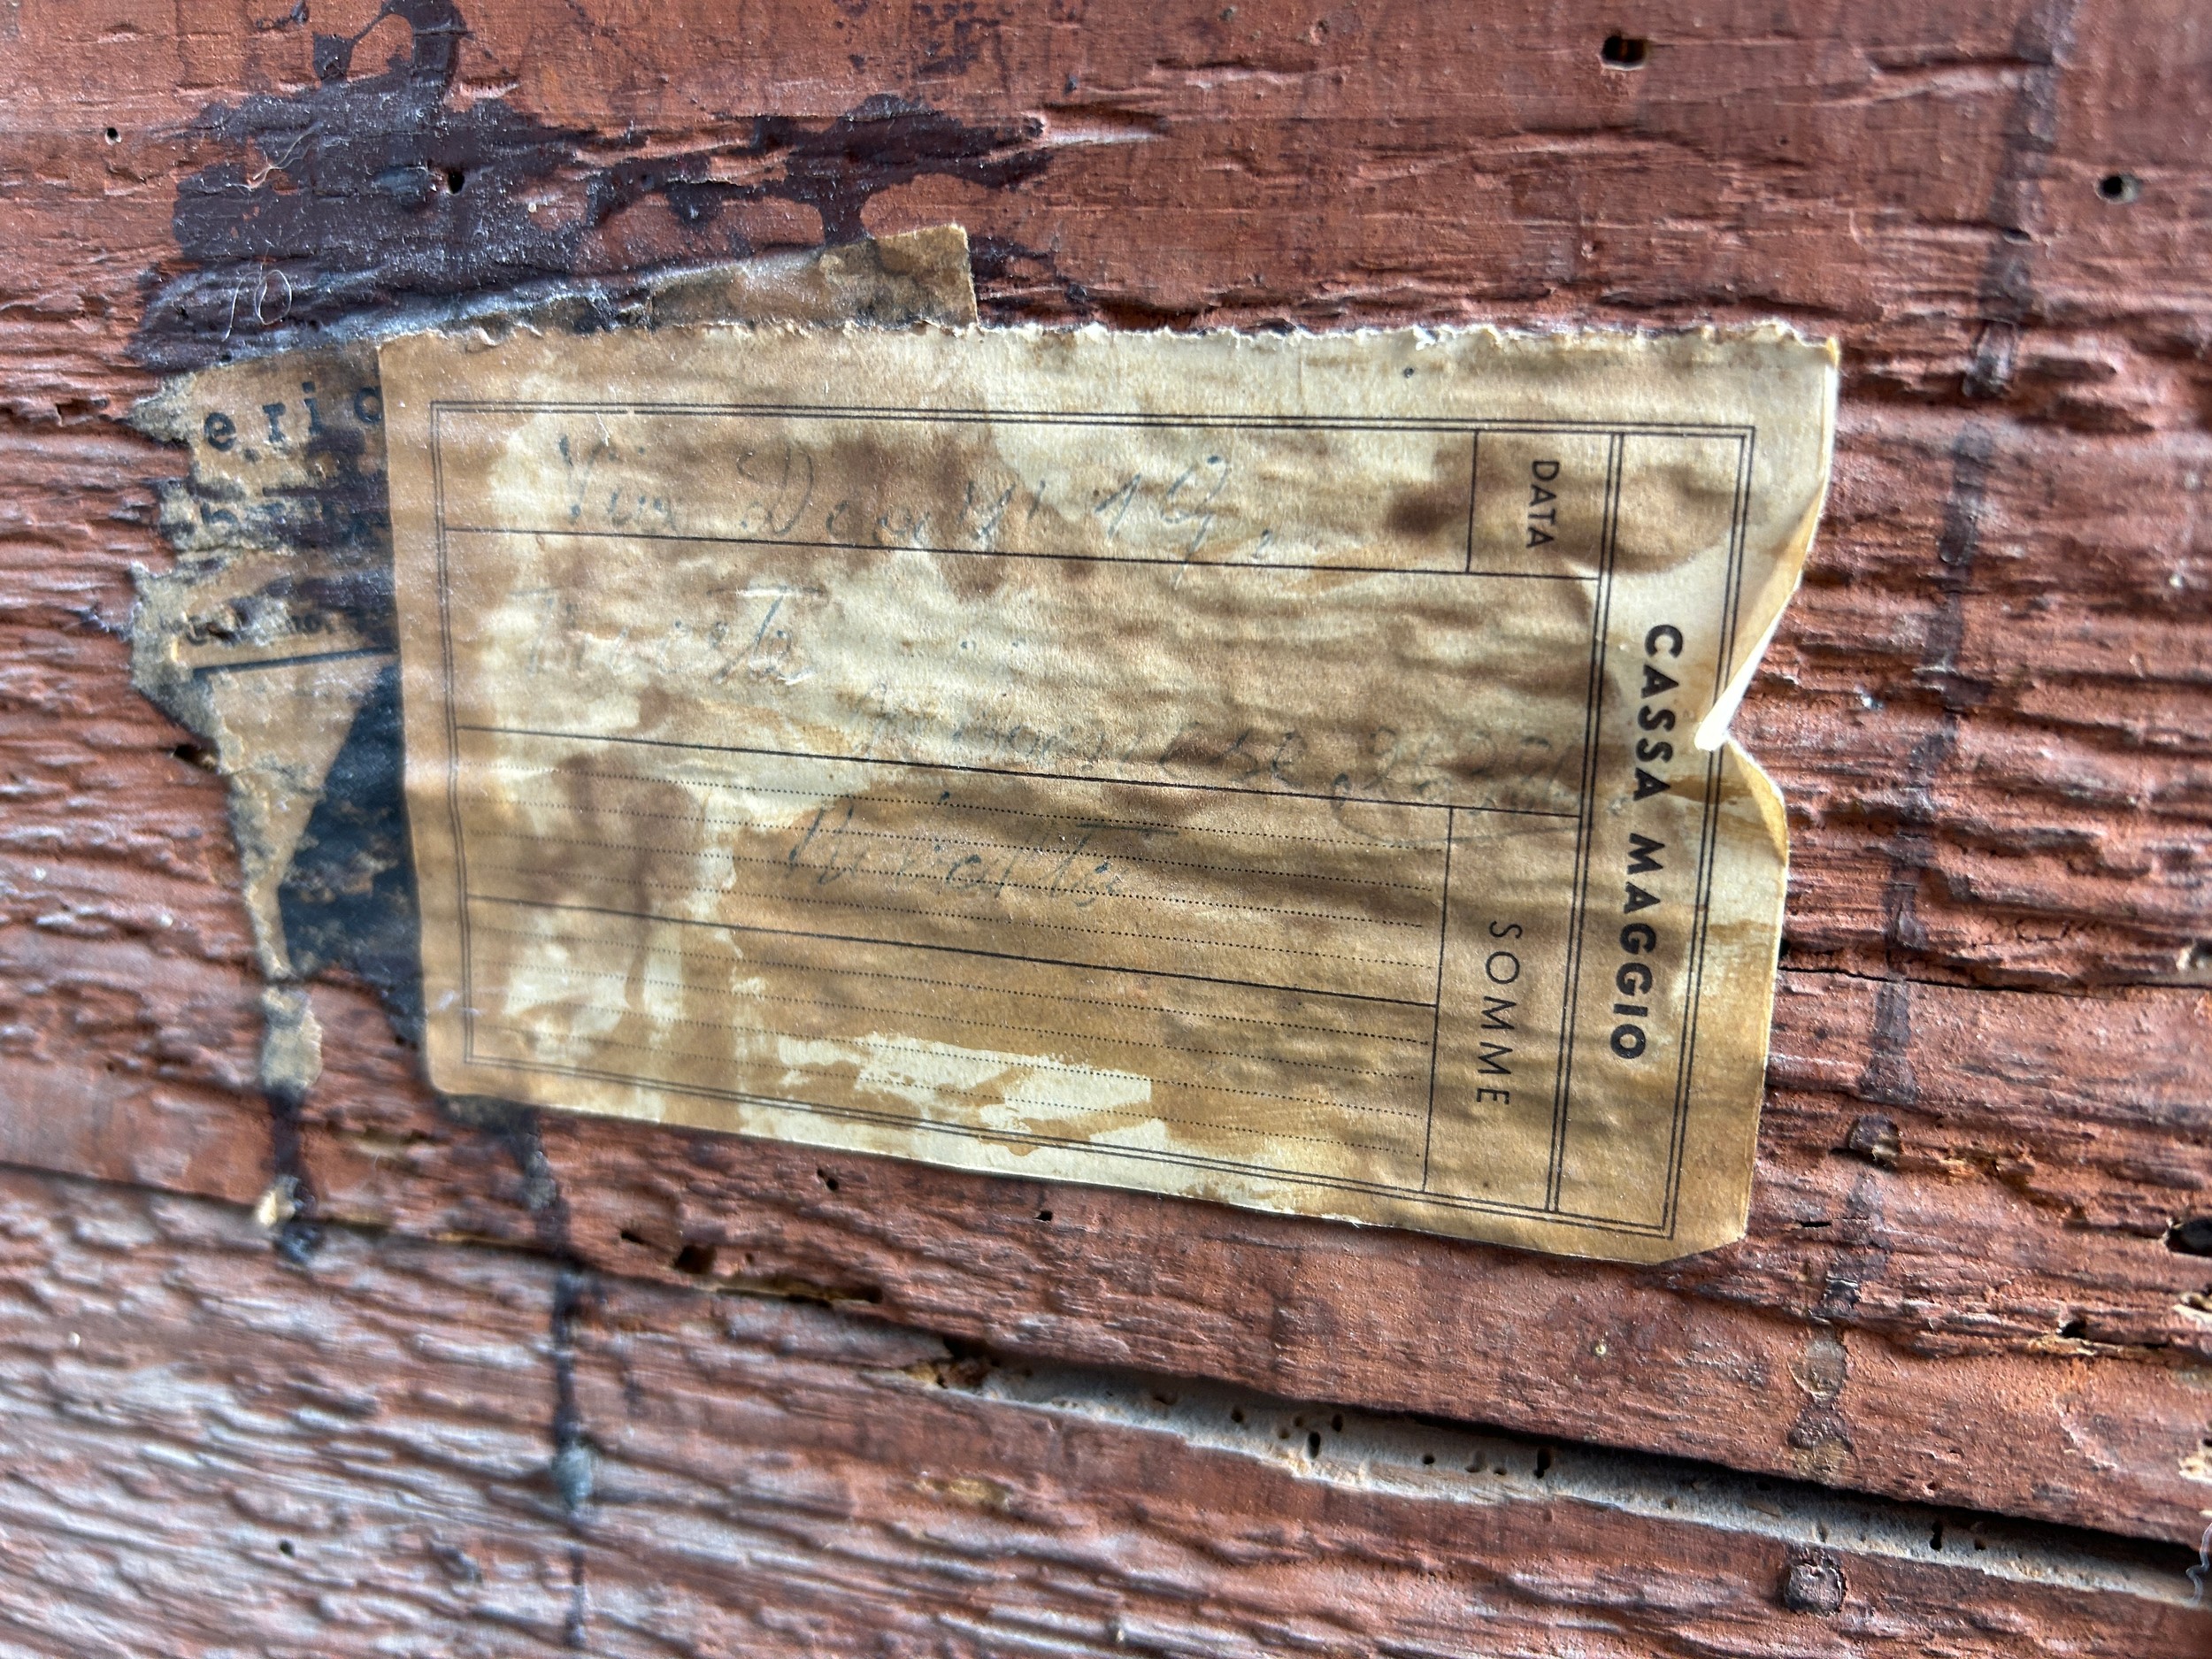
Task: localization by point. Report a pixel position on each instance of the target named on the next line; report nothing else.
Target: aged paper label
(1287, 770)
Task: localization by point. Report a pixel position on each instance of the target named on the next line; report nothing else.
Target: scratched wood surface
(1971, 1278)
(199, 1465)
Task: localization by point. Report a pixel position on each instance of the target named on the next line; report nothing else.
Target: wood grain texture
(1992, 1091)
(211, 1453)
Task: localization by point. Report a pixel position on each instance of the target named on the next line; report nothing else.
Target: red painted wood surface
(204, 1460)
(1991, 1093)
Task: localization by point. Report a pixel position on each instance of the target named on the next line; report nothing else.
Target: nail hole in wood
(2191, 1236)
(1622, 51)
(695, 1259)
(2119, 187)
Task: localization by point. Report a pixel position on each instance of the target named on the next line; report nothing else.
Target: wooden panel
(399, 1452)
(1992, 1091)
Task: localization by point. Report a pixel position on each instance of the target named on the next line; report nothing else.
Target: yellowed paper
(1288, 771)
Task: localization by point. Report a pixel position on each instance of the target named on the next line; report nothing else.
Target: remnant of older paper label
(1291, 771)
(274, 627)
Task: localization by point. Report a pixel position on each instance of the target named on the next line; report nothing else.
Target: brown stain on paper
(1163, 800)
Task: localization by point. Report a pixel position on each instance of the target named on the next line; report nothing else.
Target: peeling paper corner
(1789, 566)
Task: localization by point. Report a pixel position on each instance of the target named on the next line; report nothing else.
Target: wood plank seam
(1816, 1555)
(1961, 1170)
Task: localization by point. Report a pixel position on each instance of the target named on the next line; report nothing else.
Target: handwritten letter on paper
(1289, 770)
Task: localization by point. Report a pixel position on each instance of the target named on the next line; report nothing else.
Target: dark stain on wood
(837, 170)
(349, 900)
(366, 192)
